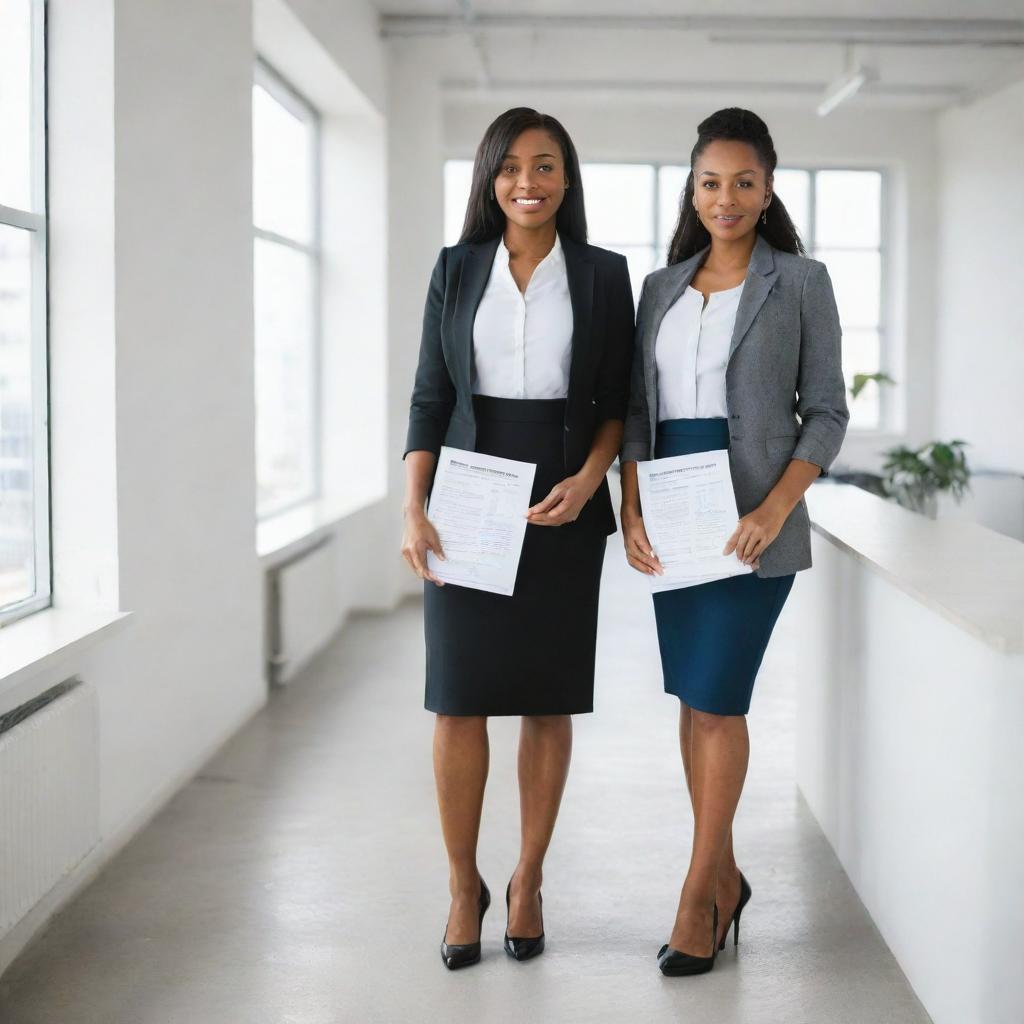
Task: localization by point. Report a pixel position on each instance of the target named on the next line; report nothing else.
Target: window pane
(16, 103)
(620, 203)
(671, 182)
(861, 354)
(794, 189)
(17, 511)
(857, 280)
(641, 260)
(848, 208)
(457, 177)
(285, 407)
(282, 169)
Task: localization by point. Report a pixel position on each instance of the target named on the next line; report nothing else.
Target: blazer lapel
(473, 275)
(761, 274)
(579, 272)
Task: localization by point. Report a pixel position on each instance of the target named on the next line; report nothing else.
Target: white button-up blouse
(692, 352)
(522, 343)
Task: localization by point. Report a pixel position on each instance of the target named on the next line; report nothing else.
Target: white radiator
(305, 609)
(49, 797)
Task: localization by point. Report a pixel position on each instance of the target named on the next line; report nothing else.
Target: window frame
(269, 78)
(36, 222)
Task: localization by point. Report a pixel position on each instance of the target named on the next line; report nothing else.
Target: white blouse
(522, 343)
(692, 352)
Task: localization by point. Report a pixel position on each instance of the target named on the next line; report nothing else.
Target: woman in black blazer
(526, 350)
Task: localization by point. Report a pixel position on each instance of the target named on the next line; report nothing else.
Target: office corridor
(300, 877)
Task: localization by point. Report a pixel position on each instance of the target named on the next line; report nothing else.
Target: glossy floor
(300, 878)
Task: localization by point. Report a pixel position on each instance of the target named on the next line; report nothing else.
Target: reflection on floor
(300, 878)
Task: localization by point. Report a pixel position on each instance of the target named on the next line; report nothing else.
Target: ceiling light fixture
(846, 85)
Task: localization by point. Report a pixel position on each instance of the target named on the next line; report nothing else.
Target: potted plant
(915, 476)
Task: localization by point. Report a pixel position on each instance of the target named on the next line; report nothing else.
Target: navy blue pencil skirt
(713, 636)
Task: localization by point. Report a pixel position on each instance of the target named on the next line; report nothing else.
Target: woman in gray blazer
(738, 348)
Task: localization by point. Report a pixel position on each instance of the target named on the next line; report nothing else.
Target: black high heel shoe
(467, 953)
(523, 949)
(674, 963)
(745, 893)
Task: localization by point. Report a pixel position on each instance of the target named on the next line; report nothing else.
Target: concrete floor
(300, 878)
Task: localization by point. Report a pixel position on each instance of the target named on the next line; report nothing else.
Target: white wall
(980, 340)
(152, 372)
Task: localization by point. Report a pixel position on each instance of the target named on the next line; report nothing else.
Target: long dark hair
(734, 125)
(484, 219)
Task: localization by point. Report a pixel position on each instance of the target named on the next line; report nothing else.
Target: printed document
(478, 506)
(689, 510)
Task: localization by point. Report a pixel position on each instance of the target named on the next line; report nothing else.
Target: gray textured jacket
(785, 391)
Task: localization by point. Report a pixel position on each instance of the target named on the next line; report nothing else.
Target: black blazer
(602, 349)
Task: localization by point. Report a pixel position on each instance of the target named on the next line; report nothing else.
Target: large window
(633, 208)
(24, 476)
(286, 268)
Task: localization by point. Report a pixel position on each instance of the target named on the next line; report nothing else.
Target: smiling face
(530, 184)
(730, 189)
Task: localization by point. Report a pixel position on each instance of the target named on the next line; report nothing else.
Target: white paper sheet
(478, 506)
(689, 509)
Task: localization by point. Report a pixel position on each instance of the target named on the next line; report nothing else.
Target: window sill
(281, 537)
(45, 639)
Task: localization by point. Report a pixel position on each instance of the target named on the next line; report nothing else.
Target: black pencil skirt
(531, 653)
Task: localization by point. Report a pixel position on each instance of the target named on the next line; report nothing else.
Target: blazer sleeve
(433, 394)
(612, 393)
(636, 435)
(821, 389)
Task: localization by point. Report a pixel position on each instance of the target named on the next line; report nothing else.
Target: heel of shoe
(745, 893)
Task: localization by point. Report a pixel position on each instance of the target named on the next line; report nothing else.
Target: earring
(764, 212)
(492, 194)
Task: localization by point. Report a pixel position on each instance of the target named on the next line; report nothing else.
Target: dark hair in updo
(734, 125)
(484, 218)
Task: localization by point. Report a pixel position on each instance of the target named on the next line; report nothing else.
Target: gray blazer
(785, 392)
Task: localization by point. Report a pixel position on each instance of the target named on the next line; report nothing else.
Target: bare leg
(460, 771)
(728, 892)
(545, 748)
(719, 751)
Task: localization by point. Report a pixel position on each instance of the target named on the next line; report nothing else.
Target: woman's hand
(755, 531)
(564, 501)
(639, 552)
(419, 538)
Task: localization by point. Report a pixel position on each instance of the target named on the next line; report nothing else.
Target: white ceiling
(926, 53)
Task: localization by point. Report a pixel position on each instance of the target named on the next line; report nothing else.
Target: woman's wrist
(630, 512)
(413, 510)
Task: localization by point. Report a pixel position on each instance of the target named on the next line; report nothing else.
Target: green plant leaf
(861, 380)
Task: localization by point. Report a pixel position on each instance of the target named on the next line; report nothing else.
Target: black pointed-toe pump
(745, 893)
(674, 963)
(464, 954)
(519, 948)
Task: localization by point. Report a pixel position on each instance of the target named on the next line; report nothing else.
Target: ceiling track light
(848, 84)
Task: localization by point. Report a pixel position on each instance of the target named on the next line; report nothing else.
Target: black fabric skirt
(531, 653)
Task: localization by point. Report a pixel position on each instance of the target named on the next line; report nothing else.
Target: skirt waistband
(715, 427)
(519, 410)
